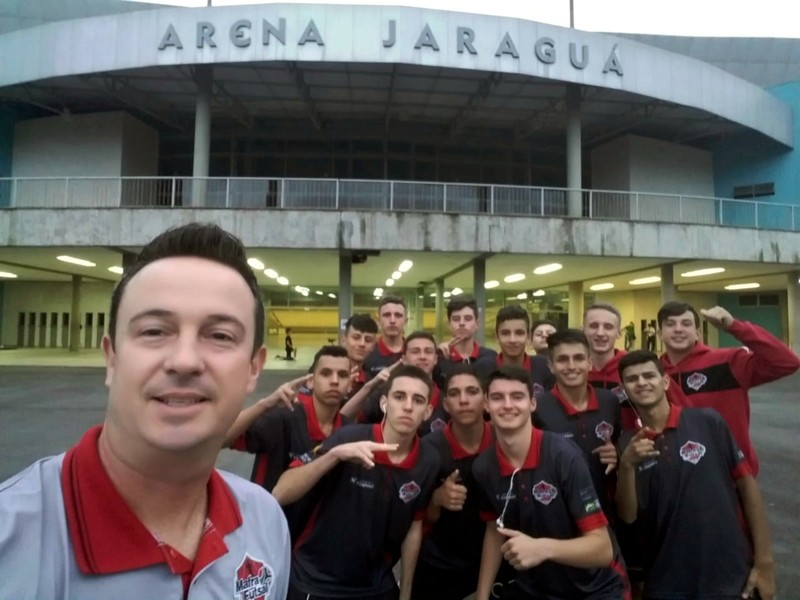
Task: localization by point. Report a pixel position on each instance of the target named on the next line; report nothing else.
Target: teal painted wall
(768, 317)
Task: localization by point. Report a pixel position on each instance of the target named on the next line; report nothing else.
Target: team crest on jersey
(696, 381)
(409, 491)
(538, 388)
(604, 431)
(619, 391)
(253, 579)
(545, 492)
(437, 424)
(692, 452)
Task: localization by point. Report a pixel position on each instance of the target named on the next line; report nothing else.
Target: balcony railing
(395, 196)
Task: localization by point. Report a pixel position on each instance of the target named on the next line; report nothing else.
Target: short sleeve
(581, 498)
(486, 511)
(734, 457)
(267, 433)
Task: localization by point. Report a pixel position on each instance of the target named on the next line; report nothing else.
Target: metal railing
(382, 195)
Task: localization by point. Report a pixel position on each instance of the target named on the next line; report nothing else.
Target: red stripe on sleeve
(419, 515)
(743, 469)
(487, 516)
(296, 463)
(240, 444)
(592, 522)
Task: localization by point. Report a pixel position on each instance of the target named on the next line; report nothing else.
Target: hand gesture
(286, 393)
(608, 456)
(761, 579)
(444, 347)
(451, 494)
(384, 374)
(639, 448)
(717, 316)
(522, 551)
(361, 452)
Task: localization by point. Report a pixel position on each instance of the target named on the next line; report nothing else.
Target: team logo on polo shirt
(604, 431)
(545, 492)
(619, 391)
(437, 424)
(538, 388)
(253, 579)
(409, 491)
(696, 381)
(692, 452)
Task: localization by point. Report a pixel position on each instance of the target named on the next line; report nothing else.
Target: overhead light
(396, 275)
(117, 270)
(545, 269)
(601, 286)
(318, 293)
(405, 266)
(491, 284)
(389, 282)
(743, 286)
(490, 299)
(446, 295)
(304, 294)
(433, 295)
(522, 296)
(271, 273)
(514, 277)
(456, 291)
(300, 289)
(75, 261)
(378, 290)
(332, 296)
(283, 281)
(256, 264)
(420, 296)
(645, 280)
(701, 272)
(538, 293)
(7, 275)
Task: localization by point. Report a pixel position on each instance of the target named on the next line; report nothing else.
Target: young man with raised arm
(684, 481)
(373, 483)
(392, 317)
(541, 510)
(720, 378)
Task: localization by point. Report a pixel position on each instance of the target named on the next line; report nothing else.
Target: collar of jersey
(457, 450)
(312, 421)
(383, 457)
(571, 411)
(107, 537)
(384, 349)
(531, 461)
(673, 420)
(455, 356)
(526, 362)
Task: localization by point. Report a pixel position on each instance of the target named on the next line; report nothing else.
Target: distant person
(630, 335)
(136, 508)
(539, 331)
(289, 344)
(650, 337)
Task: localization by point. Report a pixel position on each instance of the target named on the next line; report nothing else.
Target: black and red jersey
(589, 429)
(380, 358)
(371, 411)
(689, 514)
(551, 496)
(541, 376)
(483, 358)
(720, 378)
(353, 538)
(607, 378)
(455, 540)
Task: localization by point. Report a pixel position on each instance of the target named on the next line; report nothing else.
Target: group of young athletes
(578, 471)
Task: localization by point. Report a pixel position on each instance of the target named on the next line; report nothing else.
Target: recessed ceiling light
(8, 275)
(522, 296)
(601, 286)
(514, 277)
(396, 275)
(405, 266)
(318, 293)
(433, 295)
(389, 282)
(701, 272)
(446, 295)
(117, 270)
(378, 290)
(491, 284)
(545, 269)
(304, 294)
(75, 261)
(490, 299)
(645, 280)
(332, 296)
(456, 291)
(283, 281)
(255, 264)
(538, 293)
(271, 273)
(743, 286)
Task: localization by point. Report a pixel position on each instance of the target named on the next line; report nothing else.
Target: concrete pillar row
(574, 159)
(204, 80)
(479, 293)
(668, 292)
(576, 304)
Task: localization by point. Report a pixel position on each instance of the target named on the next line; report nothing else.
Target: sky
(737, 18)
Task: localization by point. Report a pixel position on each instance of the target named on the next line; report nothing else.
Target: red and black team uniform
(608, 378)
(483, 358)
(541, 376)
(372, 413)
(720, 378)
(689, 512)
(381, 357)
(450, 557)
(590, 429)
(552, 496)
(353, 538)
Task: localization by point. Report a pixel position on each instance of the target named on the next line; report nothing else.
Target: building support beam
(204, 80)
(479, 293)
(574, 159)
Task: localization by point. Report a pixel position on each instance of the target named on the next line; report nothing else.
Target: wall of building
(770, 318)
(139, 148)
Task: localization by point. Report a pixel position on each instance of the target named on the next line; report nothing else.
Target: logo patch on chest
(437, 424)
(604, 431)
(538, 388)
(696, 381)
(545, 492)
(619, 392)
(692, 452)
(409, 491)
(252, 580)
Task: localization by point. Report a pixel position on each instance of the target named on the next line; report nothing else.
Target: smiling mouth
(179, 401)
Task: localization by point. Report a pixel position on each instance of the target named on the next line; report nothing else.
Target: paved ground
(44, 410)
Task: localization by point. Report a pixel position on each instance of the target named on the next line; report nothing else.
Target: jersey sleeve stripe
(741, 470)
(592, 522)
(486, 516)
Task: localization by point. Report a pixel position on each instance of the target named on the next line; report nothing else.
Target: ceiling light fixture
(389, 282)
(514, 277)
(332, 296)
(8, 275)
(255, 264)
(545, 269)
(601, 286)
(522, 296)
(396, 275)
(446, 295)
(491, 284)
(743, 286)
(318, 293)
(645, 280)
(538, 293)
(701, 272)
(283, 281)
(117, 270)
(271, 273)
(75, 261)
(456, 291)
(405, 266)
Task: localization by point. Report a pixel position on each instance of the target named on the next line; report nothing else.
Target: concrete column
(75, 315)
(793, 321)
(419, 309)
(667, 284)
(345, 289)
(439, 311)
(576, 304)
(479, 293)
(128, 258)
(204, 80)
(574, 165)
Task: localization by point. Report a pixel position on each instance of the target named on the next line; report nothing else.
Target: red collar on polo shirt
(526, 362)
(673, 420)
(107, 537)
(312, 421)
(385, 350)
(455, 356)
(571, 411)
(361, 376)
(531, 461)
(457, 450)
(435, 395)
(383, 457)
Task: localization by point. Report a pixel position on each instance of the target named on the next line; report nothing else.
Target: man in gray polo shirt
(136, 508)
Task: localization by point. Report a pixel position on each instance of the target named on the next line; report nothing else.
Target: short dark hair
(509, 373)
(361, 322)
(418, 335)
(675, 309)
(461, 369)
(414, 373)
(540, 322)
(391, 299)
(566, 336)
(512, 312)
(604, 306)
(335, 351)
(639, 357)
(201, 240)
(459, 302)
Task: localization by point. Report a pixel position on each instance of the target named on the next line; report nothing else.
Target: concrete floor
(44, 410)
